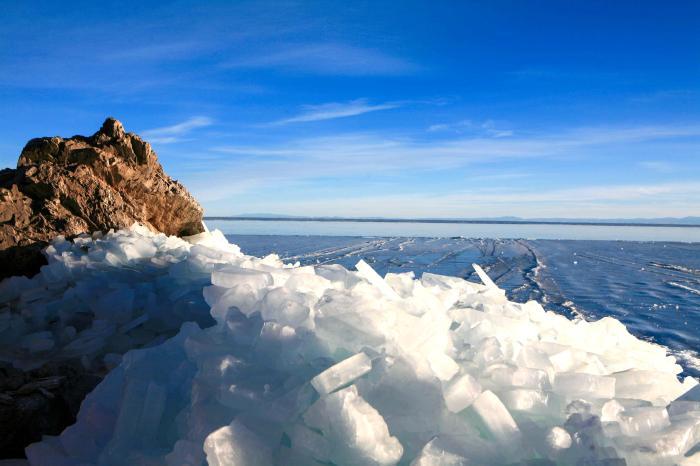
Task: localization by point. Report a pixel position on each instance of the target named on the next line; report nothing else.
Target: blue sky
(397, 109)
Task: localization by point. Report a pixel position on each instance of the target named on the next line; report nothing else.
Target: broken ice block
(443, 366)
(461, 392)
(643, 421)
(236, 445)
(610, 412)
(497, 419)
(519, 377)
(558, 438)
(357, 433)
(116, 306)
(586, 386)
(310, 442)
(342, 373)
(524, 399)
(485, 279)
(286, 307)
(368, 273)
(230, 276)
(655, 386)
(433, 454)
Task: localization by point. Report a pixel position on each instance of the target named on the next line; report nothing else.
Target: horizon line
(453, 221)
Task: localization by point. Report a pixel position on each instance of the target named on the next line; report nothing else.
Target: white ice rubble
(323, 365)
(100, 296)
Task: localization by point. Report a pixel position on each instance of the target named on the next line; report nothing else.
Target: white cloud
(174, 133)
(487, 128)
(334, 110)
(327, 59)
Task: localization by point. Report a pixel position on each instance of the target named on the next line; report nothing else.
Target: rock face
(84, 184)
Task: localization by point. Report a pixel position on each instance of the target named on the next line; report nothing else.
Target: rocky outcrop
(84, 184)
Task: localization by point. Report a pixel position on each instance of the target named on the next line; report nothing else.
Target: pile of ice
(322, 365)
(100, 296)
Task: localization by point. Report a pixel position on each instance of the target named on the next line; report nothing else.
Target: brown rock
(111, 179)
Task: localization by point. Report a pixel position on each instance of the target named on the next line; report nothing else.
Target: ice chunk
(433, 454)
(368, 273)
(485, 279)
(520, 377)
(236, 445)
(286, 307)
(443, 366)
(523, 399)
(309, 442)
(231, 276)
(356, 431)
(655, 386)
(586, 386)
(611, 410)
(461, 392)
(497, 419)
(342, 373)
(643, 421)
(116, 306)
(558, 438)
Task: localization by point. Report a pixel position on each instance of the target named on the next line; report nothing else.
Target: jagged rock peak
(109, 180)
(112, 128)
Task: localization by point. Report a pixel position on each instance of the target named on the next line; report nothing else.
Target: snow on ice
(323, 365)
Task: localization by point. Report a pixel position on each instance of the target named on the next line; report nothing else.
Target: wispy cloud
(660, 166)
(174, 133)
(590, 201)
(486, 128)
(334, 110)
(450, 126)
(497, 176)
(327, 59)
(350, 155)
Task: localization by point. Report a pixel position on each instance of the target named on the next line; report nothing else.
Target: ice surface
(309, 365)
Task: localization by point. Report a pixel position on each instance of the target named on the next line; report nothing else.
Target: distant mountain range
(695, 221)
